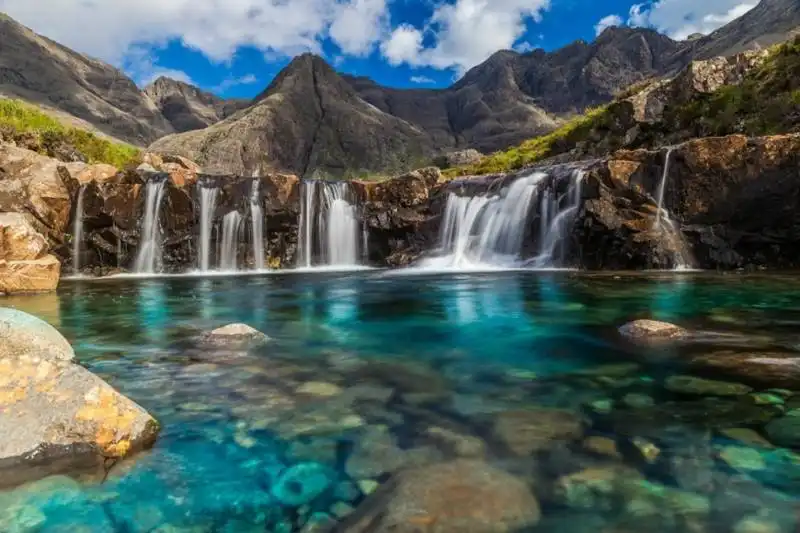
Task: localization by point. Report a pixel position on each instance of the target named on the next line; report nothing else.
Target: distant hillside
(188, 108)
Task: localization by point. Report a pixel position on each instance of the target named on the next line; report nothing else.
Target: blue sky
(235, 47)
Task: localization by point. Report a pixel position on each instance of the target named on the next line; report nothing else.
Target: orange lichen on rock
(114, 421)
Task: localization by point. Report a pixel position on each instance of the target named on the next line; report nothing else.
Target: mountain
(188, 108)
(40, 71)
(308, 121)
(770, 22)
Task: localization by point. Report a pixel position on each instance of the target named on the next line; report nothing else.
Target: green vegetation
(533, 150)
(766, 103)
(40, 132)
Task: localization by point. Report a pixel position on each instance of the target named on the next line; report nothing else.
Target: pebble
(649, 451)
(602, 446)
(638, 401)
(602, 407)
(704, 387)
(368, 486)
(342, 510)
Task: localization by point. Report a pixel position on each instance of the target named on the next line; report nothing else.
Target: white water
(662, 186)
(329, 226)
(77, 231)
(487, 232)
(149, 255)
(257, 219)
(230, 241)
(208, 203)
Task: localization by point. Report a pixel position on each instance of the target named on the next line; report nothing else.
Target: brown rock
(98, 173)
(652, 331)
(19, 240)
(758, 369)
(462, 496)
(36, 275)
(527, 432)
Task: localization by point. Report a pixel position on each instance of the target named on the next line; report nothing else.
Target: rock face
(56, 415)
(309, 121)
(43, 72)
(188, 108)
(463, 495)
(25, 265)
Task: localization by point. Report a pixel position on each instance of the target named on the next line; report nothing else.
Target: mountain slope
(188, 108)
(308, 121)
(45, 73)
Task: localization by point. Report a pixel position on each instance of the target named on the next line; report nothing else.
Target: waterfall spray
(149, 255)
(208, 203)
(257, 219)
(77, 231)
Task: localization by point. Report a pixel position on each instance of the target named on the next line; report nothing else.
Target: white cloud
(463, 33)
(524, 47)
(681, 18)
(142, 69)
(358, 25)
(229, 83)
(607, 22)
(110, 29)
(422, 79)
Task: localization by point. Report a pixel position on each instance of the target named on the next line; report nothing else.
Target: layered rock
(54, 414)
(25, 265)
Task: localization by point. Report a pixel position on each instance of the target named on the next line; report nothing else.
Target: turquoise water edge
(365, 372)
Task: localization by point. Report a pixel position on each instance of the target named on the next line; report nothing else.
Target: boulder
(652, 331)
(37, 275)
(785, 431)
(19, 240)
(458, 158)
(758, 369)
(704, 387)
(55, 415)
(235, 336)
(22, 334)
(462, 496)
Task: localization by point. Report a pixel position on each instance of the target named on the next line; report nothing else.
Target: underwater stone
(301, 484)
(637, 401)
(652, 331)
(319, 523)
(526, 432)
(765, 398)
(235, 336)
(456, 443)
(785, 431)
(592, 488)
(746, 436)
(602, 446)
(320, 389)
(704, 387)
(319, 449)
(341, 510)
(602, 407)
(740, 458)
(347, 491)
(649, 451)
(368, 486)
(756, 524)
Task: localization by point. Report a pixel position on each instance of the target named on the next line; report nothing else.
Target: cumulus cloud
(422, 79)
(607, 22)
(110, 30)
(141, 67)
(681, 18)
(463, 34)
(229, 83)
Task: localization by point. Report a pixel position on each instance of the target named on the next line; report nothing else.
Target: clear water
(497, 341)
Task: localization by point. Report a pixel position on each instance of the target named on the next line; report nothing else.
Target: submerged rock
(56, 415)
(785, 431)
(652, 331)
(704, 387)
(302, 483)
(235, 336)
(740, 458)
(759, 369)
(527, 432)
(459, 496)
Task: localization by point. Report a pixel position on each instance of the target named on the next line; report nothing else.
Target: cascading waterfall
(77, 231)
(662, 186)
(329, 225)
(491, 230)
(257, 219)
(230, 241)
(208, 203)
(149, 255)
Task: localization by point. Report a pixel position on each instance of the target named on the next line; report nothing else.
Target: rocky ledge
(56, 416)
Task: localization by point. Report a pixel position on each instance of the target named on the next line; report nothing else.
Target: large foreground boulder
(56, 416)
(461, 496)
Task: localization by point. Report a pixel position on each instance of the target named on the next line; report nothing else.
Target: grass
(44, 133)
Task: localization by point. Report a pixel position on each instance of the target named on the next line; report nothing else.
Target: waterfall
(491, 230)
(230, 241)
(329, 225)
(662, 186)
(257, 216)
(149, 255)
(77, 231)
(208, 203)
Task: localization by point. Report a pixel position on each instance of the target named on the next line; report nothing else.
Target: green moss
(18, 119)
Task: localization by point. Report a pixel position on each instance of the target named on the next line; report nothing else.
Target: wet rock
(648, 451)
(408, 378)
(455, 443)
(757, 524)
(19, 240)
(342, 510)
(785, 431)
(765, 398)
(368, 486)
(302, 484)
(22, 334)
(36, 275)
(652, 331)
(704, 387)
(594, 488)
(235, 336)
(376, 453)
(463, 495)
(319, 523)
(758, 369)
(638, 401)
(527, 432)
(319, 450)
(602, 446)
(740, 458)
